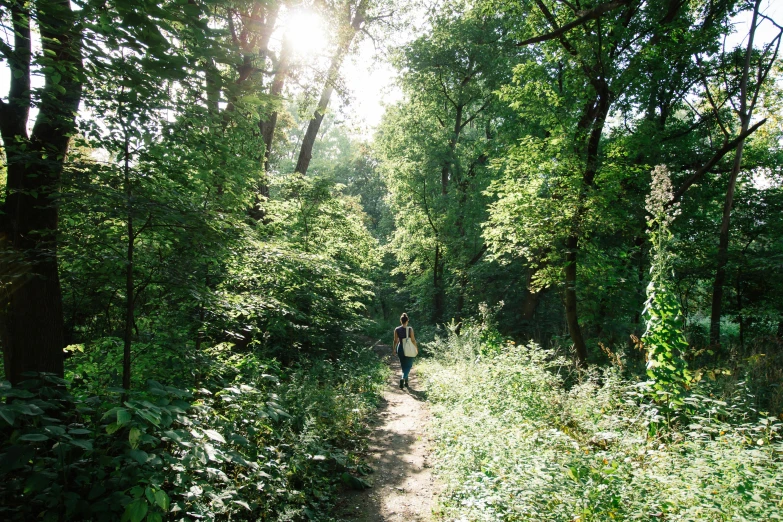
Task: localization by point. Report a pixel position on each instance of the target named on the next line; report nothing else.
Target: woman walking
(401, 332)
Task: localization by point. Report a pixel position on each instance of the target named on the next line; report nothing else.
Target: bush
(513, 444)
(257, 447)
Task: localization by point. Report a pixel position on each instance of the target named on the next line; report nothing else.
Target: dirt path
(403, 486)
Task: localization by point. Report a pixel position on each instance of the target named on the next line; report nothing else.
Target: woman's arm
(413, 337)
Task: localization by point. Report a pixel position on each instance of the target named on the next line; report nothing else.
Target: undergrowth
(253, 441)
(513, 443)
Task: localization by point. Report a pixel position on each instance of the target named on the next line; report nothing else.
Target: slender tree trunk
(741, 317)
(31, 315)
(129, 286)
(570, 302)
(593, 118)
(463, 284)
(531, 296)
(723, 250)
(745, 114)
(212, 87)
(306, 151)
(640, 286)
(267, 126)
(530, 305)
(444, 173)
(439, 298)
(308, 141)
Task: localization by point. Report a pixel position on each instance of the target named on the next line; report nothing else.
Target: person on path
(400, 333)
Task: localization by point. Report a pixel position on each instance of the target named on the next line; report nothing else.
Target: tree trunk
(129, 288)
(31, 316)
(444, 173)
(593, 118)
(723, 250)
(745, 114)
(531, 296)
(267, 126)
(740, 316)
(308, 141)
(306, 151)
(640, 287)
(570, 302)
(531, 304)
(439, 297)
(463, 284)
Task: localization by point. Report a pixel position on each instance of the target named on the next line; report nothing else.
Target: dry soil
(403, 486)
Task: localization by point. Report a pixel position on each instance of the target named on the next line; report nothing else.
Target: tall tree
(75, 45)
(599, 55)
(31, 320)
(753, 73)
(437, 146)
(351, 23)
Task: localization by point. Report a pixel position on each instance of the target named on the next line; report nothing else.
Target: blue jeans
(406, 363)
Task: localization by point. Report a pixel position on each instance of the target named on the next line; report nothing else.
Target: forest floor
(403, 488)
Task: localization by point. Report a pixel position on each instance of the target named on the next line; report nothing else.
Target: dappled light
(216, 216)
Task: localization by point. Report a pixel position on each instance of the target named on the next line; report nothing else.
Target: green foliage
(254, 447)
(663, 339)
(434, 148)
(513, 444)
(665, 342)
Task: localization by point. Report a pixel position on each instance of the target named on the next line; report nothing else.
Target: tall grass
(513, 443)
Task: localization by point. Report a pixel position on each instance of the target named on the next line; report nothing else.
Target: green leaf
(7, 415)
(136, 510)
(84, 444)
(134, 436)
(162, 500)
(34, 437)
(149, 416)
(138, 455)
(123, 416)
(212, 434)
(354, 482)
(243, 504)
(150, 495)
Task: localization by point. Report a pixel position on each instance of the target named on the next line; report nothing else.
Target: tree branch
(592, 14)
(427, 211)
(728, 147)
(445, 90)
(708, 92)
(551, 19)
(479, 254)
(6, 50)
(475, 114)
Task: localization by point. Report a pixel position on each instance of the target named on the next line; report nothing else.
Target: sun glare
(304, 30)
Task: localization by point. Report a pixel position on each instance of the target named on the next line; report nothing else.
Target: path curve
(399, 452)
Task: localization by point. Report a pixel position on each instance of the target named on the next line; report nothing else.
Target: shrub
(256, 447)
(513, 444)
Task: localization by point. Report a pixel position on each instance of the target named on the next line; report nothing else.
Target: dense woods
(197, 249)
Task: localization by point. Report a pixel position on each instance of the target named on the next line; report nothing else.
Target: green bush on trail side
(254, 442)
(513, 443)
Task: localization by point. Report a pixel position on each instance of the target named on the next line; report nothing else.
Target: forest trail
(399, 452)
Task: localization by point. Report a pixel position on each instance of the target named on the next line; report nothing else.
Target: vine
(663, 340)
